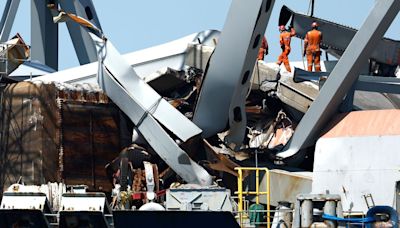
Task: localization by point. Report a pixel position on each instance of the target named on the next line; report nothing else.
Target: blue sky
(134, 25)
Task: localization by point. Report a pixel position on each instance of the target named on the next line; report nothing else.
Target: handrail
(257, 192)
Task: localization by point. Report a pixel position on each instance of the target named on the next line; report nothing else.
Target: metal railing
(241, 212)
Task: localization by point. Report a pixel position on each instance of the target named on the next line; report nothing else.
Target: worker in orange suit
(284, 40)
(263, 49)
(312, 47)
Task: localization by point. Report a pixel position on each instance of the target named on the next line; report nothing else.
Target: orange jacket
(263, 49)
(285, 38)
(313, 40)
(264, 43)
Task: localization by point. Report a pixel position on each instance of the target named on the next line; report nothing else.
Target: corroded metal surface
(28, 118)
(54, 132)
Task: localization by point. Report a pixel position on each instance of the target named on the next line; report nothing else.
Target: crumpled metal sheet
(13, 53)
(221, 163)
(145, 62)
(276, 133)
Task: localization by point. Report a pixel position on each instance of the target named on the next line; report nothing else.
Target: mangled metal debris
(181, 89)
(172, 55)
(78, 128)
(144, 106)
(277, 133)
(12, 54)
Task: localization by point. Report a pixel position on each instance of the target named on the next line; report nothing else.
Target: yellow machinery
(243, 170)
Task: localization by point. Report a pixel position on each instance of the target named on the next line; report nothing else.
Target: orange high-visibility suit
(263, 49)
(312, 48)
(284, 40)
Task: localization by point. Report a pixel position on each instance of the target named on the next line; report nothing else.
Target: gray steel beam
(83, 44)
(228, 77)
(337, 37)
(7, 20)
(147, 99)
(147, 109)
(237, 126)
(343, 76)
(389, 87)
(378, 84)
(44, 34)
(365, 82)
(138, 101)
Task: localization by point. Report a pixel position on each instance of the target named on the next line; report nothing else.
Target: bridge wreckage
(152, 131)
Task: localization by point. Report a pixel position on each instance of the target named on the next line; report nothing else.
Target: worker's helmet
(314, 25)
(282, 28)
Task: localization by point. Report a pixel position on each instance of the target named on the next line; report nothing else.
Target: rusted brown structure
(56, 132)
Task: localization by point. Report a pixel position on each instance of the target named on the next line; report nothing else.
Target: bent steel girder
(228, 77)
(147, 98)
(115, 74)
(83, 44)
(7, 19)
(343, 77)
(145, 108)
(337, 37)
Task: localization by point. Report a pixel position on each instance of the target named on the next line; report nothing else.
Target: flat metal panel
(90, 139)
(285, 185)
(367, 165)
(29, 116)
(51, 138)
